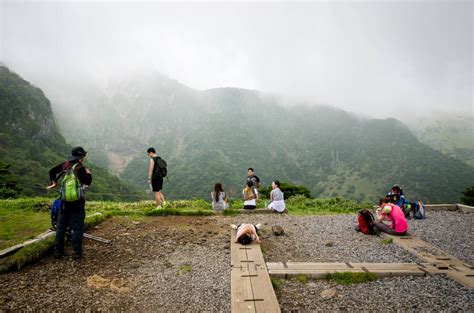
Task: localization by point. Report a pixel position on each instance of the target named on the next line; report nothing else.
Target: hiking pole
(88, 236)
(99, 239)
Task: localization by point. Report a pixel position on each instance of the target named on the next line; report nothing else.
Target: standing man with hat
(72, 214)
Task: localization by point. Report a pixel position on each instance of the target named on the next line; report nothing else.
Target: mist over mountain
(215, 135)
(31, 143)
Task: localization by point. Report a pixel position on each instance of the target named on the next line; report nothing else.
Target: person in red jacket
(72, 214)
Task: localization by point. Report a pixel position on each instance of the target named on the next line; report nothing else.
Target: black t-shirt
(254, 179)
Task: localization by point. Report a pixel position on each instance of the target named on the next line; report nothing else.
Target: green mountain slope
(31, 143)
(215, 135)
(451, 134)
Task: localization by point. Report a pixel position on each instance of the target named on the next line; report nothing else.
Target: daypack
(160, 170)
(418, 210)
(366, 222)
(71, 188)
(250, 194)
(54, 211)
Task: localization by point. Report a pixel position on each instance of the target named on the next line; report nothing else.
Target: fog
(378, 59)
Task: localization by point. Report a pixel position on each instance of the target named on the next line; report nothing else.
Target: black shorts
(157, 184)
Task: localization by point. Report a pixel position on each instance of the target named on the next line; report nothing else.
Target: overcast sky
(375, 58)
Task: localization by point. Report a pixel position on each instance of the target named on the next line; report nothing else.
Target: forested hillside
(215, 135)
(30, 143)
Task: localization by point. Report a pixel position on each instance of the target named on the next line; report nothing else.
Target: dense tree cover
(30, 144)
(468, 196)
(289, 190)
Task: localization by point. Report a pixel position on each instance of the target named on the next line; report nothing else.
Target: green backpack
(71, 189)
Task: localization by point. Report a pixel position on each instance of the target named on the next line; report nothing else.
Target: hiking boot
(258, 226)
(357, 228)
(59, 255)
(76, 257)
(233, 226)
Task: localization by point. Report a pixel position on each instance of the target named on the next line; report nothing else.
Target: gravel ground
(408, 293)
(161, 264)
(452, 232)
(183, 264)
(306, 240)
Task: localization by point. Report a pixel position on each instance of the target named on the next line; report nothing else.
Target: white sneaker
(258, 226)
(159, 207)
(233, 226)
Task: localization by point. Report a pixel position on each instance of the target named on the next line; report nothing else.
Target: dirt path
(147, 265)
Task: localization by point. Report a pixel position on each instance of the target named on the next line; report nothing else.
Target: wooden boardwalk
(438, 260)
(251, 287)
(320, 270)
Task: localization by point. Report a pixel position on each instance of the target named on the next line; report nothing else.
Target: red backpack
(366, 222)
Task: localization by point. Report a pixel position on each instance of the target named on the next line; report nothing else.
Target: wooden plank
(465, 208)
(464, 278)
(257, 211)
(241, 291)
(319, 266)
(441, 207)
(15, 248)
(263, 289)
(251, 287)
(443, 262)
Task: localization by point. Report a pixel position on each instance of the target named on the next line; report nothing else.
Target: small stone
(328, 293)
(329, 243)
(278, 230)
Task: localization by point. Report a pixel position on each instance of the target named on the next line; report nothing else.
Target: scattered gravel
(306, 240)
(404, 293)
(452, 232)
(183, 264)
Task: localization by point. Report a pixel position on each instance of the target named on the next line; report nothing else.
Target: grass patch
(184, 269)
(300, 205)
(301, 278)
(348, 278)
(387, 241)
(276, 282)
(26, 255)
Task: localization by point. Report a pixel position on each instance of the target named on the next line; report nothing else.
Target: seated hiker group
(391, 214)
(250, 195)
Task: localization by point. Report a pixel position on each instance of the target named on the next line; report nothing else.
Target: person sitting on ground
(277, 201)
(250, 195)
(390, 218)
(219, 198)
(246, 233)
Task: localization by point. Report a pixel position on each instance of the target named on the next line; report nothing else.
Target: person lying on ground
(219, 198)
(246, 233)
(277, 200)
(250, 195)
(390, 218)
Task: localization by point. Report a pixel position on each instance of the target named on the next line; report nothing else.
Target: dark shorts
(157, 184)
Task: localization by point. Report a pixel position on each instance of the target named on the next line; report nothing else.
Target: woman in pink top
(393, 215)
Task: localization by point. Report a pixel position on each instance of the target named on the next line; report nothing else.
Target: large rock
(328, 293)
(278, 230)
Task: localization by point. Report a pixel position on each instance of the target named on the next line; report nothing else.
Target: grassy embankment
(23, 219)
